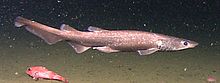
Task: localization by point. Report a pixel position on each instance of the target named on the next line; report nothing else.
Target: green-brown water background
(194, 20)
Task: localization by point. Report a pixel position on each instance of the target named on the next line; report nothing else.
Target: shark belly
(115, 40)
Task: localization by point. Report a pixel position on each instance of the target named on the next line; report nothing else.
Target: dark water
(197, 20)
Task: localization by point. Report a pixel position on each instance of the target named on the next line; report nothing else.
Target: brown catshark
(106, 40)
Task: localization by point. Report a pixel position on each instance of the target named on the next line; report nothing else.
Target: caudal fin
(48, 34)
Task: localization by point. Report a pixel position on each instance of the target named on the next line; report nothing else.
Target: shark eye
(185, 43)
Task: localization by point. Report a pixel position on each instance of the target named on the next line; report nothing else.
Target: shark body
(107, 41)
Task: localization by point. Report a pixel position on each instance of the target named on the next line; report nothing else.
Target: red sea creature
(211, 79)
(39, 72)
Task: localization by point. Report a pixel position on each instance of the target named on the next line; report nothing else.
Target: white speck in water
(211, 44)
(13, 39)
(16, 73)
(185, 69)
(10, 46)
(110, 61)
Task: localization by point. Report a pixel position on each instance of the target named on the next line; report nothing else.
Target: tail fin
(18, 24)
(48, 34)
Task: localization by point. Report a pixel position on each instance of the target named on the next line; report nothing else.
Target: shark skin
(107, 41)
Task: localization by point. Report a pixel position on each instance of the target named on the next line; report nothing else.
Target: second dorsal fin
(67, 28)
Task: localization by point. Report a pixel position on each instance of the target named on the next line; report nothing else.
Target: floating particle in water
(16, 73)
(185, 69)
(211, 44)
(11, 46)
(58, 1)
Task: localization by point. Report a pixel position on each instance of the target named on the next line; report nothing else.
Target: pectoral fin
(105, 49)
(78, 48)
(148, 51)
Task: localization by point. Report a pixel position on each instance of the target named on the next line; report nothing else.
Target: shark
(108, 41)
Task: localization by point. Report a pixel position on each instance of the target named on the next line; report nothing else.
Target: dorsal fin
(67, 28)
(95, 29)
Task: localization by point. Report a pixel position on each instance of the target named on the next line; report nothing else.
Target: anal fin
(106, 49)
(78, 48)
(148, 51)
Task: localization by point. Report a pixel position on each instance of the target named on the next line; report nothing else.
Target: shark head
(174, 44)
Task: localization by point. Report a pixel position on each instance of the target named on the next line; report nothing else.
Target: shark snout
(193, 44)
